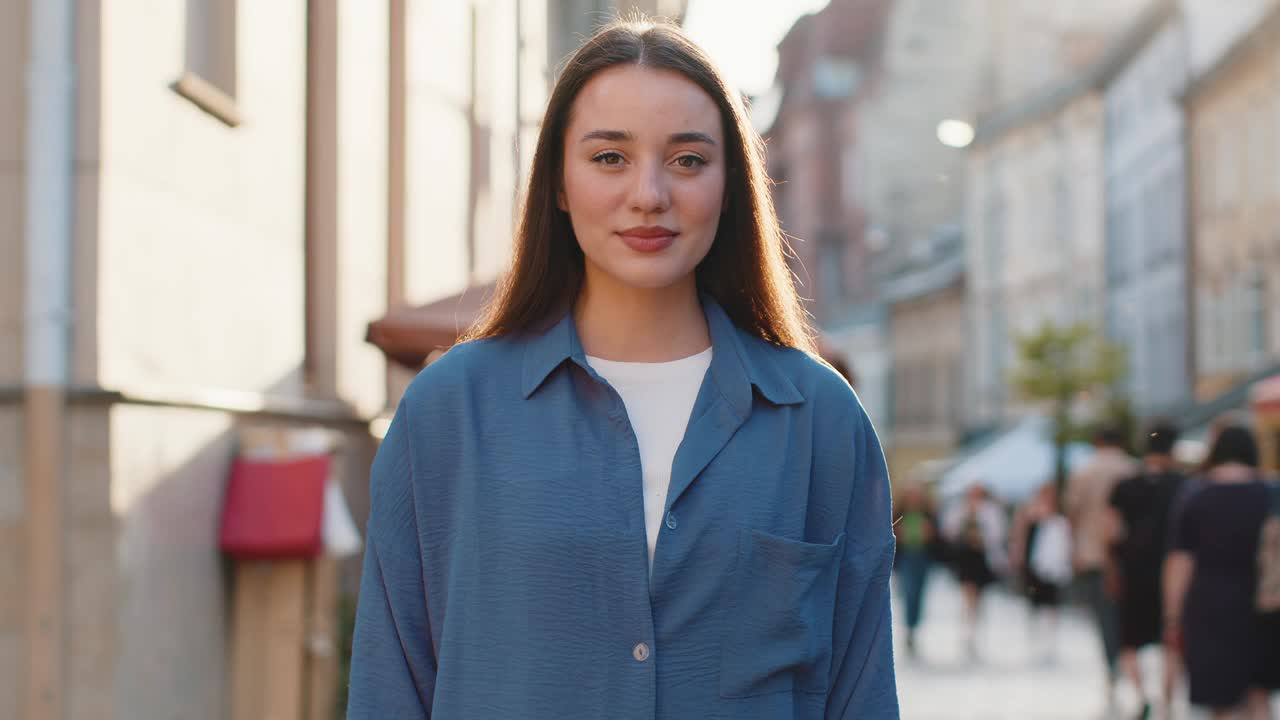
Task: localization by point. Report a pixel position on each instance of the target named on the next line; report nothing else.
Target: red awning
(407, 335)
(274, 509)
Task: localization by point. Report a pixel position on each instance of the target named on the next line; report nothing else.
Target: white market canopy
(1015, 465)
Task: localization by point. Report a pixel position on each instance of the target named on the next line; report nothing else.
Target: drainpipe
(516, 149)
(50, 207)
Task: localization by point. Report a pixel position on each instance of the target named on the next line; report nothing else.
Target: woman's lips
(648, 241)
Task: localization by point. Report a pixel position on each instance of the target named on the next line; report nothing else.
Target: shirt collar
(739, 362)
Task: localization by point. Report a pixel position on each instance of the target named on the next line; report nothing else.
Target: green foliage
(1059, 363)
(1059, 366)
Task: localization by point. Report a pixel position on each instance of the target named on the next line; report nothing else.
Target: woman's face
(644, 176)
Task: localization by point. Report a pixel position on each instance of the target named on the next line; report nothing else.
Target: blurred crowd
(1184, 559)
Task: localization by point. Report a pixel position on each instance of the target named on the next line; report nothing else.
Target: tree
(1060, 366)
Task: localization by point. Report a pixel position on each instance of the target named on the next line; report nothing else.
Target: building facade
(931, 68)
(823, 64)
(926, 308)
(206, 204)
(1035, 228)
(1233, 117)
(1147, 309)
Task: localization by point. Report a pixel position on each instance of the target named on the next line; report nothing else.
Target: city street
(1008, 682)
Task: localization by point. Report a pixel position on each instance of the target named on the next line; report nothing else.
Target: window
(1257, 308)
(1272, 308)
(210, 77)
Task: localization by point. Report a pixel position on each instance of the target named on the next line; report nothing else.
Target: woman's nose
(650, 191)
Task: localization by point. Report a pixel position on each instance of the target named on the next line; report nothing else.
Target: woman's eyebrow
(691, 137)
(610, 135)
(679, 138)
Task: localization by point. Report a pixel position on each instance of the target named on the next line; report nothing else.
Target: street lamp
(955, 133)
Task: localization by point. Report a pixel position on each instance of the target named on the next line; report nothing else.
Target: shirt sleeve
(393, 665)
(863, 684)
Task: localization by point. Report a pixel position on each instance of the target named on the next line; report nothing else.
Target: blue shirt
(506, 572)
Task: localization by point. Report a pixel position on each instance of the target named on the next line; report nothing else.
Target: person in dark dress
(1212, 579)
(1143, 505)
(975, 532)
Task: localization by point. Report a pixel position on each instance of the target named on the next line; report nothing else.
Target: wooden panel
(247, 671)
(283, 640)
(322, 640)
(267, 641)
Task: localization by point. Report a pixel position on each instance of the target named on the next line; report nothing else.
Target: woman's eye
(608, 158)
(690, 161)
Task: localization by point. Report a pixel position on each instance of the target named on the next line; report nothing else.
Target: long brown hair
(745, 270)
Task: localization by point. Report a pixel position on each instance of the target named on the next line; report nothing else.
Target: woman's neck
(640, 325)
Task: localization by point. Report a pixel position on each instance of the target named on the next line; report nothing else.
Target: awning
(1015, 465)
(274, 509)
(407, 335)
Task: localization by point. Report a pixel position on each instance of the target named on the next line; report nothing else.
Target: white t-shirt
(659, 398)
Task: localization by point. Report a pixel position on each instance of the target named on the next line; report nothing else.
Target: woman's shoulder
(814, 377)
(464, 366)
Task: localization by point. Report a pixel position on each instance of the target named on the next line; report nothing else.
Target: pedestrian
(1040, 552)
(1143, 505)
(916, 530)
(1212, 576)
(1087, 505)
(634, 490)
(975, 530)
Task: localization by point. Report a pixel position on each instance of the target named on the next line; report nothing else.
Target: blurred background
(232, 232)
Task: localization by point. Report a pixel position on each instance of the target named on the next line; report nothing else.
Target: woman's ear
(560, 200)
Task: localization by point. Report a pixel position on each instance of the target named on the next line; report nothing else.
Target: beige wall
(462, 184)
(201, 225)
(928, 338)
(360, 291)
(167, 484)
(13, 120)
(90, 556)
(1235, 166)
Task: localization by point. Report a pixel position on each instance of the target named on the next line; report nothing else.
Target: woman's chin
(651, 276)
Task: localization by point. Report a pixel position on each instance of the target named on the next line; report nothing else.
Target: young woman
(633, 493)
(1211, 584)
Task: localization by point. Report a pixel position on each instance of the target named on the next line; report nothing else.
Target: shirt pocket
(777, 635)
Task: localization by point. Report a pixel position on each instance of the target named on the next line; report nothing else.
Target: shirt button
(640, 652)
(671, 521)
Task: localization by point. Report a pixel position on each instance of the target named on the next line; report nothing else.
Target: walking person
(633, 491)
(975, 531)
(1144, 504)
(916, 530)
(1088, 508)
(1040, 552)
(1210, 597)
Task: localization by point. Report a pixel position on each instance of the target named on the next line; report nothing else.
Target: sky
(742, 35)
